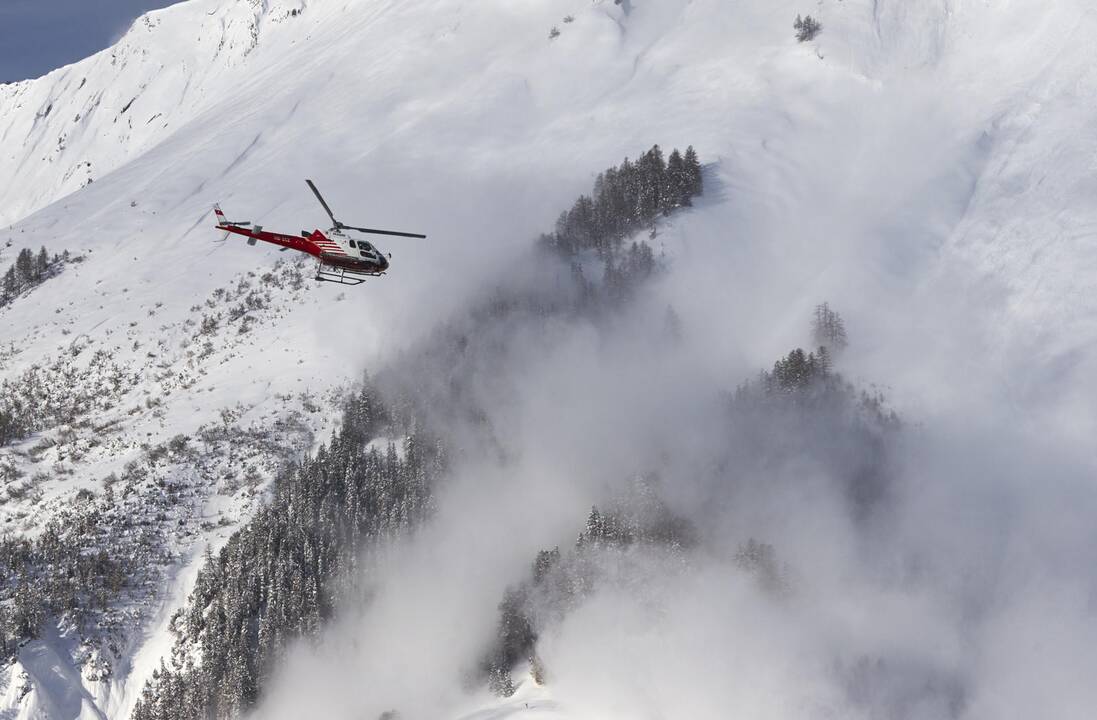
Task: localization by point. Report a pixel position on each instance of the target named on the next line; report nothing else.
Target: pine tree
(595, 525)
(677, 193)
(630, 184)
(24, 268)
(806, 28)
(41, 265)
(9, 430)
(828, 330)
(10, 287)
(693, 173)
(651, 183)
(793, 371)
(546, 560)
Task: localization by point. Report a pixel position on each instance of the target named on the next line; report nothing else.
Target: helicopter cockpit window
(364, 246)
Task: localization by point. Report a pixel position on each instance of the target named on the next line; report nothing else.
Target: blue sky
(37, 36)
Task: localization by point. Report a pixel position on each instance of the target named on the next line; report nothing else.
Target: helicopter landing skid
(341, 275)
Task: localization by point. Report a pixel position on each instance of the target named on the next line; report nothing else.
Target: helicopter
(343, 258)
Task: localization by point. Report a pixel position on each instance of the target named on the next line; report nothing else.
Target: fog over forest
(842, 555)
(745, 370)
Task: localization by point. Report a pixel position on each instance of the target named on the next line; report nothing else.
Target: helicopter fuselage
(336, 248)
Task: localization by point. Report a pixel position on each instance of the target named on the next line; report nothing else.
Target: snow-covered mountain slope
(71, 127)
(926, 165)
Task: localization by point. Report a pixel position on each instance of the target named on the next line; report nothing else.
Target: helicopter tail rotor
(222, 221)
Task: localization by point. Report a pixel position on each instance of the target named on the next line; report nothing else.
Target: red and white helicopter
(343, 258)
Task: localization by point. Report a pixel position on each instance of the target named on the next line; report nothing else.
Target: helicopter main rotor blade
(320, 197)
(382, 232)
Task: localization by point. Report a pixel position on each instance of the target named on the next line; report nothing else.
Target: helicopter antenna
(341, 226)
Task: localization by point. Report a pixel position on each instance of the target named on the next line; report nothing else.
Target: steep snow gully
(926, 166)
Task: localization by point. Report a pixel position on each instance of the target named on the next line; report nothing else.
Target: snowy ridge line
(80, 122)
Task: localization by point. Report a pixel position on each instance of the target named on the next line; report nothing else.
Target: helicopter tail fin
(224, 223)
(221, 221)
